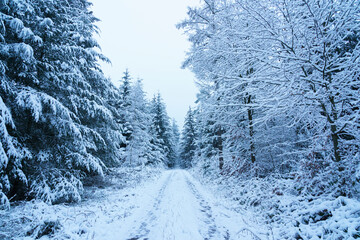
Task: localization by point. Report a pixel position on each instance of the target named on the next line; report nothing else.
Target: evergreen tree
(125, 88)
(176, 142)
(139, 149)
(188, 140)
(125, 109)
(162, 130)
(58, 97)
(12, 153)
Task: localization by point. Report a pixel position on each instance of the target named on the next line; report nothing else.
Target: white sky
(141, 35)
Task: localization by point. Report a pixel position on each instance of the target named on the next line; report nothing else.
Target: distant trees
(163, 131)
(175, 142)
(148, 136)
(278, 82)
(126, 109)
(188, 140)
(60, 118)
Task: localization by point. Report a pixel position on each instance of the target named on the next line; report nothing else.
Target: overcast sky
(141, 35)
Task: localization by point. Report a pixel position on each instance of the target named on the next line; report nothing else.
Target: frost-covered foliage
(188, 140)
(279, 90)
(162, 132)
(149, 137)
(61, 120)
(286, 214)
(11, 155)
(94, 218)
(175, 142)
(278, 108)
(57, 114)
(57, 187)
(138, 146)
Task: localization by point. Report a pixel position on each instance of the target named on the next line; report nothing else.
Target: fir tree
(13, 51)
(139, 149)
(188, 140)
(162, 130)
(58, 98)
(125, 109)
(175, 139)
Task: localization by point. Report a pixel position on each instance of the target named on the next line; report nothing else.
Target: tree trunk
(219, 146)
(334, 130)
(334, 133)
(251, 130)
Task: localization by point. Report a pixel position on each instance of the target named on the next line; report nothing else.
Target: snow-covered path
(176, 206)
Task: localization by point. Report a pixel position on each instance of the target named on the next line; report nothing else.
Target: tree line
(61, 120)
(279, 92)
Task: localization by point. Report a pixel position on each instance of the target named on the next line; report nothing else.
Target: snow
(24, 50)
(3, 157)
(101, 206)
(16, 24)
(286, 214)
(155, 204)
(278, 83)
(28, 99)
(46, 22)
(26, 33)
(169, 210)
(148, 203)
(38, 40)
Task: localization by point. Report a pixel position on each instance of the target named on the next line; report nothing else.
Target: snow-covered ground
(287, 214)
(167, 205)
(100, 210)
(178, 207)
(157, 204)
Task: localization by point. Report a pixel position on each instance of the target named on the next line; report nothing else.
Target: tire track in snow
(143, 231)
(209, 220)
(218, 214)
(179, 209)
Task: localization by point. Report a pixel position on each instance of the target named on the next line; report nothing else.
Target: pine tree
(13, 50)
(139, 150)
(125, 109)
(58, 98)
(125, 88)
(188, 140)
(175, 142)
(162, 131)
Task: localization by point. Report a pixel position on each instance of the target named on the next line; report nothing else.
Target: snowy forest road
(177, 206)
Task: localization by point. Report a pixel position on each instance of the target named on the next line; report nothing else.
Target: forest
(277, 107)
(279, 91)
(278, 103)
(61, 119)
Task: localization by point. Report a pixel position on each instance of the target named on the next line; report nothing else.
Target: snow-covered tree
(175, 139)
(188, 140)
(139, 149)
(162, 130)
(126, 109)
(13, 181)
(57, 96)
(281, 79)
